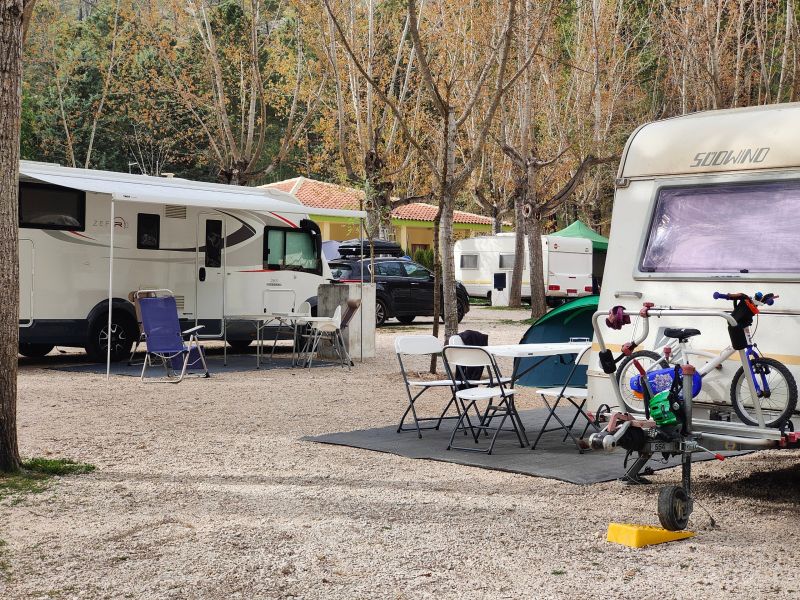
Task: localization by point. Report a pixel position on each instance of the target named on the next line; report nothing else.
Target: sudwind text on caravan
(729, 157)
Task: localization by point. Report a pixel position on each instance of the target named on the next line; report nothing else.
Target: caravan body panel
(567, 264)
(681, 256)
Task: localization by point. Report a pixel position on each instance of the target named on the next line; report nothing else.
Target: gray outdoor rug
(552, 458)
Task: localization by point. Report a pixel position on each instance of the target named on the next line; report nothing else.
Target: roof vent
(174, 211)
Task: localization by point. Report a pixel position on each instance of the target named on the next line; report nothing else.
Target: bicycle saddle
(680, 333)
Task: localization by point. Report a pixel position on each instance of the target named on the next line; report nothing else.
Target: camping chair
(576, 396)
(165, 339)
(456, 359)
(134, 299)
(419, 346)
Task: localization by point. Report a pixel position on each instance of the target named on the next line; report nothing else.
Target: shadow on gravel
(780, 485)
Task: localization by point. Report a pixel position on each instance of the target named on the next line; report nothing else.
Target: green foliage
(423, 256)
(35, 473)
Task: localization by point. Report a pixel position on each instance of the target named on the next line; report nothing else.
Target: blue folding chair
(165, 340)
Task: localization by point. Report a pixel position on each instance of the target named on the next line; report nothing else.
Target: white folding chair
(331, 329)
(456, 358)
(455, 340)
(575, 395)
(278, 304)
(423, 346)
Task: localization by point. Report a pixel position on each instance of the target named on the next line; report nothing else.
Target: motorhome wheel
(123, 332)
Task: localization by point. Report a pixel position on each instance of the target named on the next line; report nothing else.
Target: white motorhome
(216, 247)
(567, 265)
(708, 202)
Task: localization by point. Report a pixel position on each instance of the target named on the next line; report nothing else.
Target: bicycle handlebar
(759, 297)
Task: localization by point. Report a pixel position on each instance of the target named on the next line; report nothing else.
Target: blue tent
(571, 320)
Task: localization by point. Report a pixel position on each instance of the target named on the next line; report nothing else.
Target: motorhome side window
(506, 261)
(469, 261)
(290, 249)
(148, 231)
(704, 229)
(51, 207)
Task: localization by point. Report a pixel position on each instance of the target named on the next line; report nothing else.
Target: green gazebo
(579, 229)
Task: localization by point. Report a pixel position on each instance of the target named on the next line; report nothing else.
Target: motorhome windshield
(725, 229)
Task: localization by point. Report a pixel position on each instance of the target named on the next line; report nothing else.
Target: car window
(416, 271)
(389, 269)
(341, 270)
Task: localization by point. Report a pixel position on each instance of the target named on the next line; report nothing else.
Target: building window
(51, 207)
(507, 261)
(148, 231)
(699, 229)
(469, 261)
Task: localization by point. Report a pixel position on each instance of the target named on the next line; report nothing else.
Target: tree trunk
(447, 210)
(437, 282)
(11, 17)
(536, 269)
(515, 292)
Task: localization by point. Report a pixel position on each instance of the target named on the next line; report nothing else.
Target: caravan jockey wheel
(674, 508)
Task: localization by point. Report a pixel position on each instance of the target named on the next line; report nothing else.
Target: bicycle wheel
(778, 406)
(627, 370)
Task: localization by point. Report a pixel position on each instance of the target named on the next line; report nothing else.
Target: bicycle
(763, 391)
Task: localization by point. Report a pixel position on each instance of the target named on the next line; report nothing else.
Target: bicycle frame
(746, 357)
(744, 354)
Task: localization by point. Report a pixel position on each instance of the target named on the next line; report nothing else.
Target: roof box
(351, 248)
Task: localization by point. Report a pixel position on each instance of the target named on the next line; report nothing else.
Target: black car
(403, 288)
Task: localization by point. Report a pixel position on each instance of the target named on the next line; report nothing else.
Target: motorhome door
(210, 276)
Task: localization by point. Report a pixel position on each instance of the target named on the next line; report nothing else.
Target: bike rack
(716, 431)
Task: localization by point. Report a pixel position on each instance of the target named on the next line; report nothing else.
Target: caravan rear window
(44, 206)
(725, 229)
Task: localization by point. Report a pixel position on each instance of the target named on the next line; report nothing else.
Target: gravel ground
(204, 490)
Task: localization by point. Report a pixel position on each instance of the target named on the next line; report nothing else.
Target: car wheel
(406, 319)
(380, 313)
(462, 310)
(123, 333)
(34, 350)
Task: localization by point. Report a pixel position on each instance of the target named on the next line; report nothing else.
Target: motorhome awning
(126, 187)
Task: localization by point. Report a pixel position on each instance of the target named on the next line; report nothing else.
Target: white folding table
(543, 351)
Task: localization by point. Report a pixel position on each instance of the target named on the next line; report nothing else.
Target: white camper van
(567, 265)
(708, 202)
(216, 247)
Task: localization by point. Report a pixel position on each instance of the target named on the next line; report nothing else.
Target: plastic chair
(422, 345)
(455, 340)
(575, 395)
(279, 305)
(456, 359)
(165, 339)
(329, 328)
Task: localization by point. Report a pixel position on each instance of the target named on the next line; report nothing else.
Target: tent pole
(361, 286)
(110, 290)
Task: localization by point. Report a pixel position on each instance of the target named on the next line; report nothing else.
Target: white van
(217, 258)
(567, 265)
(708, 202)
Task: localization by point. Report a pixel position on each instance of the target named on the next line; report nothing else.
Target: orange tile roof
(320, 194)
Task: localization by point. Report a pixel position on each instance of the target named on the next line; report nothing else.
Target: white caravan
(567, 265)
(216, 247)
(708, 202)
